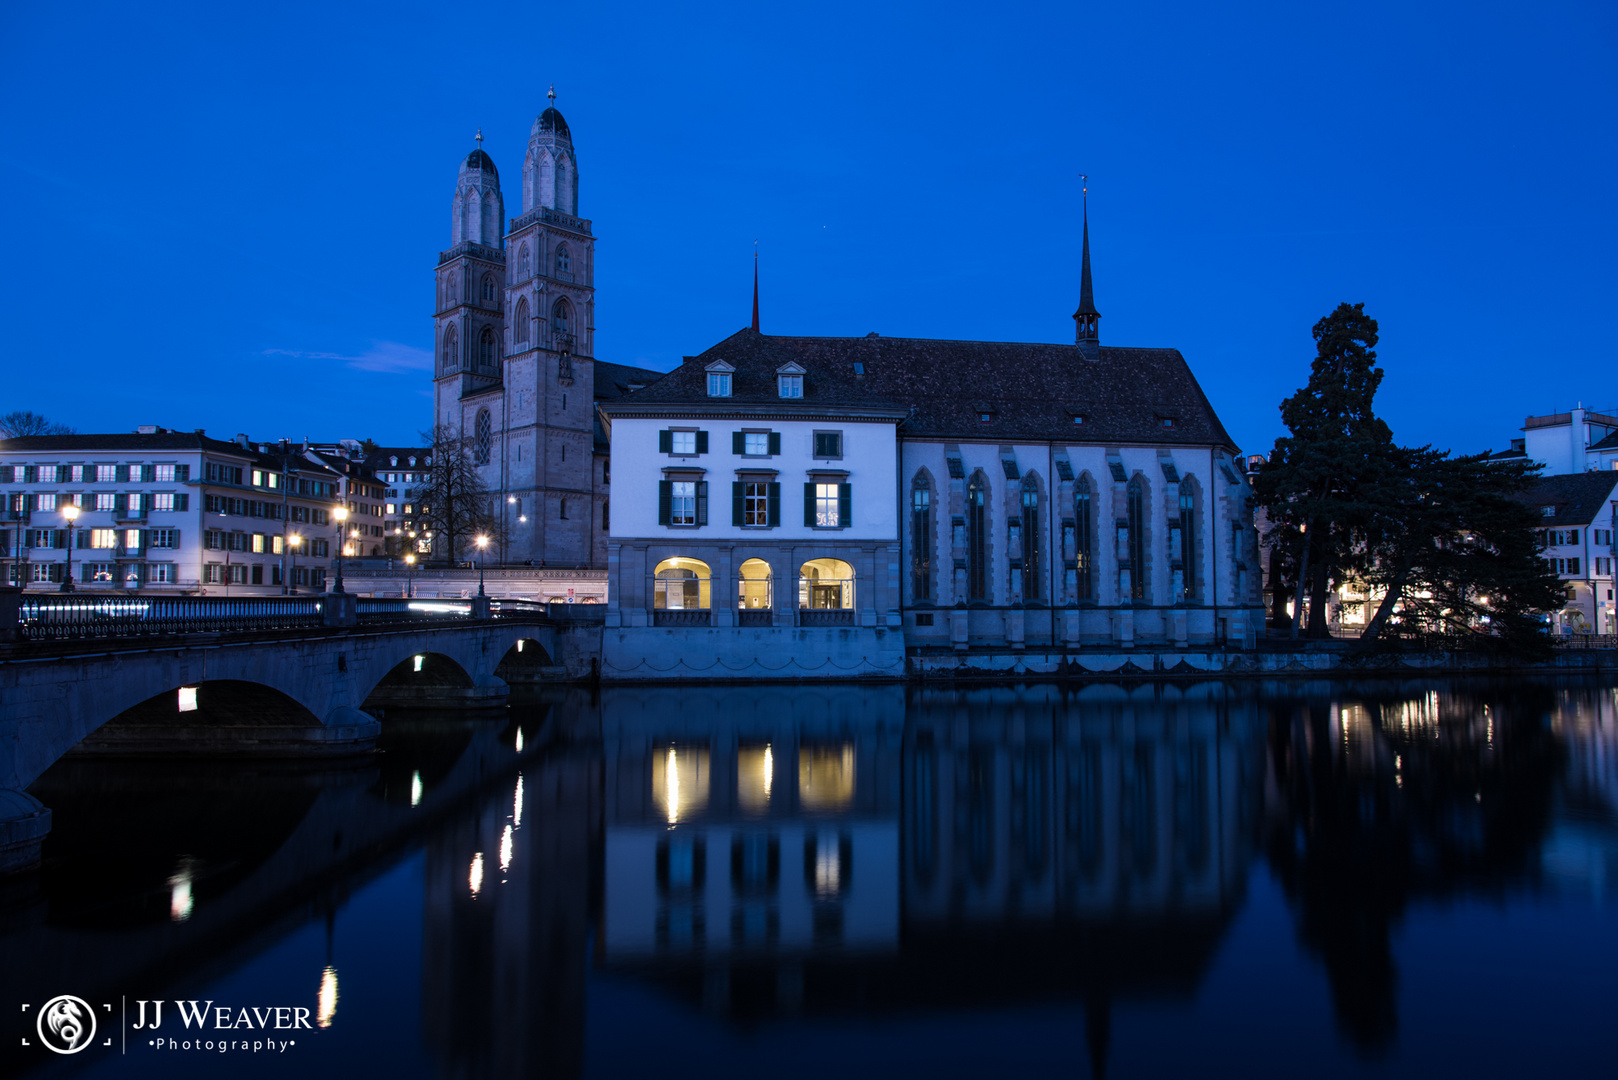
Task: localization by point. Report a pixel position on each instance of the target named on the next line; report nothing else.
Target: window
(977, 538)
(452, 350)
(488, 286)
(1573, 566)
(261, 543)
(106, 501)
(756, 502)
(605, 520)
(682, 502)
(163, 538)
(1182, 545)
(520, 330)
(1078, 419)
(1603, 567)
(1030, 538)
(43, 538)
(718, 384)
(921, 540)
(1166, 421)
(1132, 545)
(685, 442)
(522, 268)
(105, 539)
(160, 573)
(163, 474)
(486, 347)
(827, 505)
(682, 443)
(45, 502)
(105, 474)
(99, 573)
(828, 444)
(790, 386)
(483, 438)
(163, 500)
(561, 318)
(757, 443)
(681, 584)
(1083, 530)
(564, 262)
(984, 417)
(1547, 511)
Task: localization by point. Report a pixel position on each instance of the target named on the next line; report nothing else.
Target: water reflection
(874, 852)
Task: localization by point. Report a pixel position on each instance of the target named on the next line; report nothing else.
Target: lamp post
(410, 576)
(483, 543)
(292, 578)
(341, 514)
(71, 513)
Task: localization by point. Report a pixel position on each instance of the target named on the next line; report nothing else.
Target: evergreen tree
(452, 501)
(1313, 483)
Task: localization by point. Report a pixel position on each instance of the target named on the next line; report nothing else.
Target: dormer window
(790, 386)
(1166, 421)
(985, 417)
(1078, 419)
(1547, 511)
(719, 374)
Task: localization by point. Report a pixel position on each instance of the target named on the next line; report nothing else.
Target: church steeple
(1088, 331)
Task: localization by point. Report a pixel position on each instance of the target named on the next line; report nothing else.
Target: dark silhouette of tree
(452, 501)
(16, 425)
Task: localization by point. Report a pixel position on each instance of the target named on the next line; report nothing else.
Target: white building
(1580, 514)
(165, 512)
(1582, 440)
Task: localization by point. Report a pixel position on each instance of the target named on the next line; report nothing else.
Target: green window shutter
(148, 473)
(702, 442)
(665, 500)
(58, 538)
(772, 504)
(702, 502)
(665, 441)
(845, 505)
(737, 499)
(120, 503)
(775, 442)
(738, 443)
(182, 501)
(84, 538)
(182, 473)
(809, 505)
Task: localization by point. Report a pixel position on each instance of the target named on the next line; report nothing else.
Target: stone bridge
(297, 692)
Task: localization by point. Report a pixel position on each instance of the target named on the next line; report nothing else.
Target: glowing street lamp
(483, 544)
(292, 548)
(410, 576)
(341, 514)
(71, 513)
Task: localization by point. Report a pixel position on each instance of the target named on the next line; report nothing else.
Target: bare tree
(15, 425)
(453, 502)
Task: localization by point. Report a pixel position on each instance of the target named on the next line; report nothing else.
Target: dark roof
(1513, 454)
(477, 159)
(379, 458)
(1609, 443)
(156, 443)
(1030, 390)
(551, 120)
(614, 380)
(1578, 497)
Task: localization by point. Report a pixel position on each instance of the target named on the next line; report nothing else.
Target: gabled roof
(1579, 498)
(1609, 443)
(1030, 390)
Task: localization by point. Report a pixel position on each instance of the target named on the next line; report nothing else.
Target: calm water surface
(1281, 879)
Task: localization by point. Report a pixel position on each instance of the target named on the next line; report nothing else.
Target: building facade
(514, 339)
(1580, 513)
(164, 512)
(968, 494)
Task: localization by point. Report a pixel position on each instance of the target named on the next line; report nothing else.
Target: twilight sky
(227, 217)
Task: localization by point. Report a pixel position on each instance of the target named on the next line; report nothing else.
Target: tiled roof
(1609, 443)
(614, 380)
(1029, 390)
(1579, 498)
(157, 443)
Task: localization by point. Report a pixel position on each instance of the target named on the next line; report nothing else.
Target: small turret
(1087, 317)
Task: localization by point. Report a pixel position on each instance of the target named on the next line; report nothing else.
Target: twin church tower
(515, 369)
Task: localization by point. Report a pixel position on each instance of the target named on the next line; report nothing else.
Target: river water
(1228, 879)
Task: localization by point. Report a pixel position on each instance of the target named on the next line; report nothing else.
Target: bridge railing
(373, 610)
(73, 618)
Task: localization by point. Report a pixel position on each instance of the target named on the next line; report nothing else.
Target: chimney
(241, 440)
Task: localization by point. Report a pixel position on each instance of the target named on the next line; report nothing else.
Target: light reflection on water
(703, 880)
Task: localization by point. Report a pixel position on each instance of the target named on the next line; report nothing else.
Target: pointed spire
(1087, 318)
(755, 286)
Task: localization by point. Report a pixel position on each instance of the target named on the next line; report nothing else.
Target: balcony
(681, 617)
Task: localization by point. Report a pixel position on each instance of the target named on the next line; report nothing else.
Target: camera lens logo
(66, 1024)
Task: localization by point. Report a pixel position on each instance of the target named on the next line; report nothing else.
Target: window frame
(814, 444)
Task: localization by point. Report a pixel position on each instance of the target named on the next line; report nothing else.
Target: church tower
(1087, 317)
(469, 323)
(551, 487)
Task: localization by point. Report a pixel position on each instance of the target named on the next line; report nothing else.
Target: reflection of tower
(505, 926)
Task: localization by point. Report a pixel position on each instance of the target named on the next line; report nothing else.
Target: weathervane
(479, 138)
(552, 93)
(1086, 184)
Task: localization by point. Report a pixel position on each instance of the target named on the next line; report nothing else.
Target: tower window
(522, 260)
(564, 260)
(560, 319)
(488, 287)
(520, 330)
(483, 437)
(452, 354)
(486, 347)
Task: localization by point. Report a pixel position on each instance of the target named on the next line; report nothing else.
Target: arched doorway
(682, 592)
(825, 592)
(754, 597)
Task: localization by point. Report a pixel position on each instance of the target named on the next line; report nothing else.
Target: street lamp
(483, 543)
(71, 513)
(292, 578)
(341, 514)
(410, 576)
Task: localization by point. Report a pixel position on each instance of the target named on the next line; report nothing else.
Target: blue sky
(226, 216)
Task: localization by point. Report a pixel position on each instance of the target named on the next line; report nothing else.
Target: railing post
(340, 609)
(480, 607)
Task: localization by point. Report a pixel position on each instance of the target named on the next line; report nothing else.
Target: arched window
(753, 586)
(681, 584)
(564, 260)
(1132, 544)
(522, 260)
(483, 439)
(921, 539)
(1032, 549)
(488, 345)
(452, 288)
(826, 584)
(1082, 544)
(452, 351)
(488, 287)
(977, 537)
(1183, 544)
(520, 329)
(561, 318)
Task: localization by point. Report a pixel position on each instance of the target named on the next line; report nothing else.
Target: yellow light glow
(326, 1000)
(516, 803)
(415, 788)
(71, 512)
(755, 776)
(680, 783)
(188, 699)
(519, 740)
(419, 660)
(341, 513)
(505, 850)
(671, 785)
(826, 776)
(474, 876)
(519, 645)
(181, 901)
